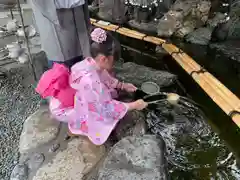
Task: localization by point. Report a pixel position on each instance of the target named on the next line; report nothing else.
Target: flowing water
(201, 144)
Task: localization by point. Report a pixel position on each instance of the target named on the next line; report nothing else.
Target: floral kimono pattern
(96, 112)
(60, 112)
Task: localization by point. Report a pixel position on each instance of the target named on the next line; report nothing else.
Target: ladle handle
(154, 102)
(156, 94)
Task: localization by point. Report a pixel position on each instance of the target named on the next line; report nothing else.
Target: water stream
(201, 143)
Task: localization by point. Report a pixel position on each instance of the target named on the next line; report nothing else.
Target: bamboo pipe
(217, 94)
(154, 40)
(224, 101)
(221, 102)
(223, 97)
(107, 27)
(197, 67)
(226, 93)
(93, 20)
(229, 96)
(203, 84)
(131, 33)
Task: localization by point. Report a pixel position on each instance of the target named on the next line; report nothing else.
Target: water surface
(200, 146)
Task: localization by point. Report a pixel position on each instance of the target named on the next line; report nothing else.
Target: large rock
(231, 29)
(38, 129)
(216, 19)
(200, 36)
(197, 17)
(20, 172)
(183, 17)
(93, 5)
(135, 158)
(137, 74)
(133, 124)
(150, 27)
(74, 163)
(203, 35)
(113, 11)
(169, 23)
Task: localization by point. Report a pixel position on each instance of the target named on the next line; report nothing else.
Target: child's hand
(138, 105)
(129, 87)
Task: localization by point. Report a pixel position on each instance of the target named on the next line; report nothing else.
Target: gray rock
(133, 124)
(187, 27)
(183, 17)
(35, 161)
(230, 29)
(217, 19)
(20, 172)
(135, 158)
(38, 129)
(200, 36)
(150, 27)
(113, 11)
(140, 74)
(93, 6)
(75, 162)
(168, 24)
(54, 148)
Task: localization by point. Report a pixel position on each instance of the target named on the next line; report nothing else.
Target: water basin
(201, 141)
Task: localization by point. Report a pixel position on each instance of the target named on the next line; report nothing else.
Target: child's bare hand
(140, 104)
(129, 87)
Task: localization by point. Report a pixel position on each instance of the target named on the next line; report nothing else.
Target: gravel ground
(17, 101)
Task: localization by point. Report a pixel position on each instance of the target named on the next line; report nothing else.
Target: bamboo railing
(221, 95)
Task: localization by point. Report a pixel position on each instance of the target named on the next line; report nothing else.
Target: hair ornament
(99, 35)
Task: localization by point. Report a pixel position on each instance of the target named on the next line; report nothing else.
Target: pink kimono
(59, 112)
(83, 99)
(96, 112)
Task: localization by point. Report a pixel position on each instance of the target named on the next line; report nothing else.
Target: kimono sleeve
(104, 110)
(109, 80)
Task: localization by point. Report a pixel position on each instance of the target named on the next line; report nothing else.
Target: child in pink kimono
(94, 112)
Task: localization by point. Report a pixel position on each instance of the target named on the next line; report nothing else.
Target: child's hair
(104, 43)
